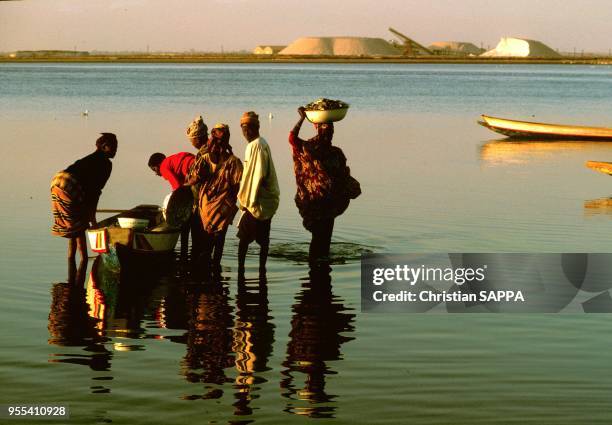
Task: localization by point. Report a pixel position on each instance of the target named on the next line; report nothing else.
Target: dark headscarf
(220, 145)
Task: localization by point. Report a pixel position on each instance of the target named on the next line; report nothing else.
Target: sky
(233, 25)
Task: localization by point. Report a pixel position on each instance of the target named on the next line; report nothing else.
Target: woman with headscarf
(219, 179)
(75, 192)
(324, 184)
(197, 133)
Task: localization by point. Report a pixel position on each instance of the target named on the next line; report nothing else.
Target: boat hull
(122, 247)
(542, 131)
(602, 167)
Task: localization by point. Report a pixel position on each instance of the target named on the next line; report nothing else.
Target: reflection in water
(119, 302)
(209, 338)
(599, 206)
(253, 339)
(70, 325)
(505, 152)
(109, 310)
(317, 325)
(109, 314)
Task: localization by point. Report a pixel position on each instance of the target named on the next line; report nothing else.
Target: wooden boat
(120, 246)
(535, 130)
(602, 167)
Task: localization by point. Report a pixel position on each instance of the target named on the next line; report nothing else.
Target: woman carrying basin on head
(324, 184)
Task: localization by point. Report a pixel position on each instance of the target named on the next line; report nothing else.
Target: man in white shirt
(258, 195)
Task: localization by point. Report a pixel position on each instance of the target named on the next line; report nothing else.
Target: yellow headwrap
(249, 116)
(222, 126)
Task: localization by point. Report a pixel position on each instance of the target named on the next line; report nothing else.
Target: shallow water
(168, 350)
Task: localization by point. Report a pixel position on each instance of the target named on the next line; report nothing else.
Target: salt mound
(267, 50)
(340, 46)
(460, 48)
(522, 48)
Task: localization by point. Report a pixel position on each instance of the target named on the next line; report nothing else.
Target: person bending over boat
(258, 195)
(75, 192)
(324, 184)
(219, 178)
(173, 168)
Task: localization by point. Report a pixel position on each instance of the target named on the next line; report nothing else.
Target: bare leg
(184, 240)
(72, 246)
(82, 245)
(201, 264)
(219, 243)
(196, 235)
(263, 238)
(263, 257)
(243, 247)
(321, 240)
(72, 271)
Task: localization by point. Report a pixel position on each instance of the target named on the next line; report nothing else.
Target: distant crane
(411, 47)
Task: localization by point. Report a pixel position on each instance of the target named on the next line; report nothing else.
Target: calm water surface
(151, 349)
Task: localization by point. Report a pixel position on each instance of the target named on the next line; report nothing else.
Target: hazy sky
(209, 25)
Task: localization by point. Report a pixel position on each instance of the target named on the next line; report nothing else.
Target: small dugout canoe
(602, 167)
(535, 130)
(120, 247)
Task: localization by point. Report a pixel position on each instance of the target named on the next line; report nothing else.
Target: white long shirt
(259, 192)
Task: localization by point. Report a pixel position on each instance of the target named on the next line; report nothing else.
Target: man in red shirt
(173, 168)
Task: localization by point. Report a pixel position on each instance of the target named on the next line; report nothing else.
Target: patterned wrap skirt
(67, 205)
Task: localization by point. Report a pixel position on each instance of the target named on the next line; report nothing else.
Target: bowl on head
(326, 116)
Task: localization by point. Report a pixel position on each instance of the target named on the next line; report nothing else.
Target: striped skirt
(67, 205)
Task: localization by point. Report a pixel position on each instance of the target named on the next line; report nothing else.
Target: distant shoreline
(253, 59)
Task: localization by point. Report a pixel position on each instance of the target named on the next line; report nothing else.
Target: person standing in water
(219, 177)
(75, 192)
(197, 132)
(324, 184)
(258, 195)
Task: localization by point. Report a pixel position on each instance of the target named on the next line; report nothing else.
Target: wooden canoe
(602, 167)
(535, 130)
(119, 246)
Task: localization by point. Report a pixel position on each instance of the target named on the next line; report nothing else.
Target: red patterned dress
(321, 174)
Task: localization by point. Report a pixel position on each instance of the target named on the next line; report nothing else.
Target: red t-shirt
(176, 167)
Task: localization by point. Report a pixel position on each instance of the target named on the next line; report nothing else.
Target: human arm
(294, 139)
(298, 125)
(235, 176)
(198, 171)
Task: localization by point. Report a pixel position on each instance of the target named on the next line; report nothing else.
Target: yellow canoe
(602, 167)
(536, 130)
